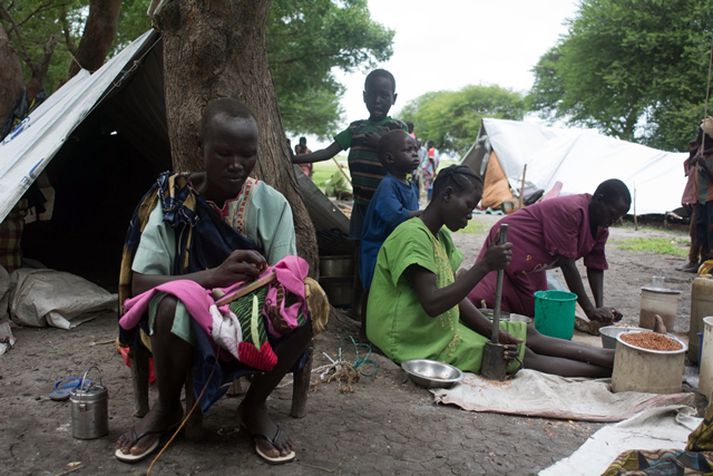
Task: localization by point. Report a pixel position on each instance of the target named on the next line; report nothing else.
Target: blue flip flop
(65, 385)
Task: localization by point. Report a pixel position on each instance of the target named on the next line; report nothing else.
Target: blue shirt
(389, 207)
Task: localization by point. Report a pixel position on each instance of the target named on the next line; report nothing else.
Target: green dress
(396, 321)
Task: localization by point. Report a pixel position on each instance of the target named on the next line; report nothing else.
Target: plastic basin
(554, 313)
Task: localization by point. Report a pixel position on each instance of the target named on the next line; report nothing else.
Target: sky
(448, 44)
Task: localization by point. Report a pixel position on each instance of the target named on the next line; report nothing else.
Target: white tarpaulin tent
(126, 95)
(27, 150)
(580, 159)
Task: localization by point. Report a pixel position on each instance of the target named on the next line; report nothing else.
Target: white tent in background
(580, 159)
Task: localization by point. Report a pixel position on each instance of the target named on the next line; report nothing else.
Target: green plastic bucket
(554, 313)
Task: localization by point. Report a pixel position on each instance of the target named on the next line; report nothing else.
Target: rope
(183, 422)
(187, 416)
(360, 362)
(358, 365)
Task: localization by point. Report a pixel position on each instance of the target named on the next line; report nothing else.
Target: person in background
(704, 206)
(557, 233)
(428, 169)
(395, 201)
(302, 149)
(362, 140)
(688, 200)
(409, 126)
(418, 307)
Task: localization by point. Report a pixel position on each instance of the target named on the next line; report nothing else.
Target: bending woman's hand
(604, 315)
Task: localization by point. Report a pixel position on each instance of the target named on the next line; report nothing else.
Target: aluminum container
(644, 370)
(90, 410)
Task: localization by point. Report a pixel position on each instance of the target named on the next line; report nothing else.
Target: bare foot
(266, 435)
(147, 431)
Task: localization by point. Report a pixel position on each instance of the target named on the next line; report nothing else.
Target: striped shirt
(364, 166)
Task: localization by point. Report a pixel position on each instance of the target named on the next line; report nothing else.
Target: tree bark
(10, 78)
(99, 33)
(217, 49)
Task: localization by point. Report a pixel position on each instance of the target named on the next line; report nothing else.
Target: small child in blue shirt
(395, 199)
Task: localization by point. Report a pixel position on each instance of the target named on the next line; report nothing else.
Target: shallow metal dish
(430, 373)
(609, 333)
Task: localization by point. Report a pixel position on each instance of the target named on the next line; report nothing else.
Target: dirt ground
(387, 425)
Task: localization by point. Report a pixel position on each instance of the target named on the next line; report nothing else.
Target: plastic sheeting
(26, 151)
(653, 429)
(45, 297)
(533, 393)
(583, 158)
(7, 340)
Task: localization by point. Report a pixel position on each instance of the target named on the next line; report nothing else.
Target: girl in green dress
(418, 308)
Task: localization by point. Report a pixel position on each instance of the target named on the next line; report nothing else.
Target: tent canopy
(580, 159)
(102, 139)
(27, 150)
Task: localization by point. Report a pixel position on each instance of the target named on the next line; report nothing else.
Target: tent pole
(636, 221)
(521, 199)
(339, 166)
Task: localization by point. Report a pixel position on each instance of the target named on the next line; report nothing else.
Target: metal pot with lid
(90, 410)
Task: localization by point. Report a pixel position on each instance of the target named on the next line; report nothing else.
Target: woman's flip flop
(131, 458)
(273, 441)
(135, 438)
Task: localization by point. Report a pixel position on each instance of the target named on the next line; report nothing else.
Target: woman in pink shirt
(556, 233)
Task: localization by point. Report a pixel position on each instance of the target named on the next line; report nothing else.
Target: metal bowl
(609, 334)
(683, 349)
(430, 373)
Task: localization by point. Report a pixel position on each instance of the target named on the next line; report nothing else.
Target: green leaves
(633, 69)
(306, 40)
(452, 118)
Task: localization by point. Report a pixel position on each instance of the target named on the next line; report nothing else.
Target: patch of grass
(662, 246)
(323, 170)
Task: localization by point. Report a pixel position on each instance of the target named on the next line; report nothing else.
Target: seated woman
(418, 307)
(195, 233)
(556, 233)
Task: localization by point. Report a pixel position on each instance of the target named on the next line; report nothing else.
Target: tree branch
(99, 32)
(48, 50)
(39, 9)
(67, 34)
(7, 18)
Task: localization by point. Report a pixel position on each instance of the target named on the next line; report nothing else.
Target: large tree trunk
(217, 49)
(99, 33)
(10, 78)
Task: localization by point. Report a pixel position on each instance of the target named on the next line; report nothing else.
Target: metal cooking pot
(90, 411)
